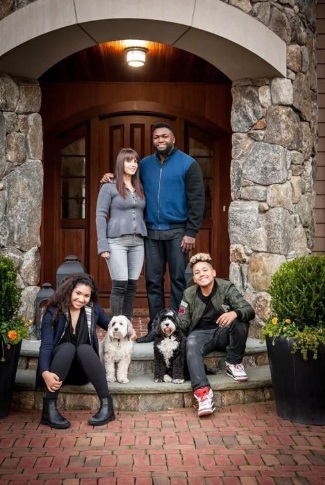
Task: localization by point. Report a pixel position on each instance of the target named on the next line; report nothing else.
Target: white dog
(117, 349)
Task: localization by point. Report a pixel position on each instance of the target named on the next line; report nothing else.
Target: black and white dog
(169, 348)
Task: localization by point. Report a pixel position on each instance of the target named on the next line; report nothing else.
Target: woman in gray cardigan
(121, 229)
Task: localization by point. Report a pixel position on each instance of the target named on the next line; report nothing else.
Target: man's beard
(166, 150)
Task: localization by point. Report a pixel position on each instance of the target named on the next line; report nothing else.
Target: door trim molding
(133, 107)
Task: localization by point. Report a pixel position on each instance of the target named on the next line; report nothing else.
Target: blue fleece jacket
(174, 192)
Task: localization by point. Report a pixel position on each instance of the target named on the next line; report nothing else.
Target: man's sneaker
(236, 371)
(204, 397)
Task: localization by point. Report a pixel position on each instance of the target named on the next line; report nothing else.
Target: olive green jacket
(226, 299)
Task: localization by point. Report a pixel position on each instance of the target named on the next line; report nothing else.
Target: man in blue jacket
(174, 190)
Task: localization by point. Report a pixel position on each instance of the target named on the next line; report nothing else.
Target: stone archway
(243, 48)
(267, 49)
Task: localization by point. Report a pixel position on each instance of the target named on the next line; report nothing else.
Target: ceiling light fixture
(136, 56)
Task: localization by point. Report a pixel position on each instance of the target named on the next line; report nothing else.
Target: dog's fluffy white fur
(116, 349)
(169, 348)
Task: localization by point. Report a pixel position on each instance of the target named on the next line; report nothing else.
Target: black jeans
(231, 339)
(159, 253)
(78, 365)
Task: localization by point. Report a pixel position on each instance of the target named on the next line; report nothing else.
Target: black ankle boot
(52, 417)
(150, 337)
(105, 413)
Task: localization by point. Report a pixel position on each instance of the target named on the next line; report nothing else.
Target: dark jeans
(78, 365)
(231, 339)
(159, 253)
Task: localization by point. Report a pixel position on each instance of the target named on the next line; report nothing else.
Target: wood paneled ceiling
(107, 63)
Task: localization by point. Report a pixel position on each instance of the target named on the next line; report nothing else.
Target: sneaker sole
(208, 412)
(238, 379)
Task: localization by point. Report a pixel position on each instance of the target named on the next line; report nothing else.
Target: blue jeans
(126, 257)
(231, 339)
(159, 253)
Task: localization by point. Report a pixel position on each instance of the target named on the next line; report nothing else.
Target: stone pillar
(21, 182)
(274, 123)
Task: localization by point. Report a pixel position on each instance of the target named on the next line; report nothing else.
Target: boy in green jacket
(214, 316)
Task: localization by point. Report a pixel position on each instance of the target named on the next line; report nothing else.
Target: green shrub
(298, 304)
(10, 294)
(12, 328)
(298, 291)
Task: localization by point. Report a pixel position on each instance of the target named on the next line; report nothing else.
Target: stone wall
(274, 145)
(21, 182)
(274, 123)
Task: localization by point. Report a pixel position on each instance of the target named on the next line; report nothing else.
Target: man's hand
(187, 244)
(107, 177)
(226, 319)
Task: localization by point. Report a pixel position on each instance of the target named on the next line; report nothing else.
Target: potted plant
(295, 338)
(12, 330)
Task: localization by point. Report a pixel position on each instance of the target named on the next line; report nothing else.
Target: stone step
(142, 393)
(142, 357)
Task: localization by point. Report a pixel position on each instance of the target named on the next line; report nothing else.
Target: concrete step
(142, 393)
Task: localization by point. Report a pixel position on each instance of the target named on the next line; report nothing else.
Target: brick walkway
(245, 445)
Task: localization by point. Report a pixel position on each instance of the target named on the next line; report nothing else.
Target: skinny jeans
(78, 366)
(231, 339)
(126, 257)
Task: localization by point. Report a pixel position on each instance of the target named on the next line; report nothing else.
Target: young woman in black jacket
(69, 348)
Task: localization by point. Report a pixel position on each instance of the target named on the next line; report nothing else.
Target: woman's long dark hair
(127, 154)
(61, 298)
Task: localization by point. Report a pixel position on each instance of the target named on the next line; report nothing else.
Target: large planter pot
(8, 369)
(298, 385)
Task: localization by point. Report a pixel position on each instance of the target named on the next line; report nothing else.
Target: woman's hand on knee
(52, 381)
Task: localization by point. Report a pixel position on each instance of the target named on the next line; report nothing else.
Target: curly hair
(61, 298)
(200, 257)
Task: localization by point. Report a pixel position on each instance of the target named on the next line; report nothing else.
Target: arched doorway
(76, 158)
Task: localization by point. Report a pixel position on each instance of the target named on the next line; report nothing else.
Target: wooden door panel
(137, 138)
(203, 241)
(73, 241)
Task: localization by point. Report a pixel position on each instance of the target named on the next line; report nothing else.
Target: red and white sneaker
(236, 371)
(204, 397)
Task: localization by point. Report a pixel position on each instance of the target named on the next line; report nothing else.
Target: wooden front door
(74, 164)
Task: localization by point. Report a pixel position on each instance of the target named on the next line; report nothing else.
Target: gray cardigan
(116, 216)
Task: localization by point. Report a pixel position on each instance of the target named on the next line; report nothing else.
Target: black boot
(117, 296)
(129, 298)
(105, 413)
(150, 337)
(52, 417)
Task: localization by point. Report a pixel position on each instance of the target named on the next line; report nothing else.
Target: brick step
(142, 393)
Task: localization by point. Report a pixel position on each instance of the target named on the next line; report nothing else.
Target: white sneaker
(204, 397)
(236, 371)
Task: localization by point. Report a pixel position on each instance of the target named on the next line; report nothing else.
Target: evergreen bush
(12, 328)
(298, 304)
(298, 291)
